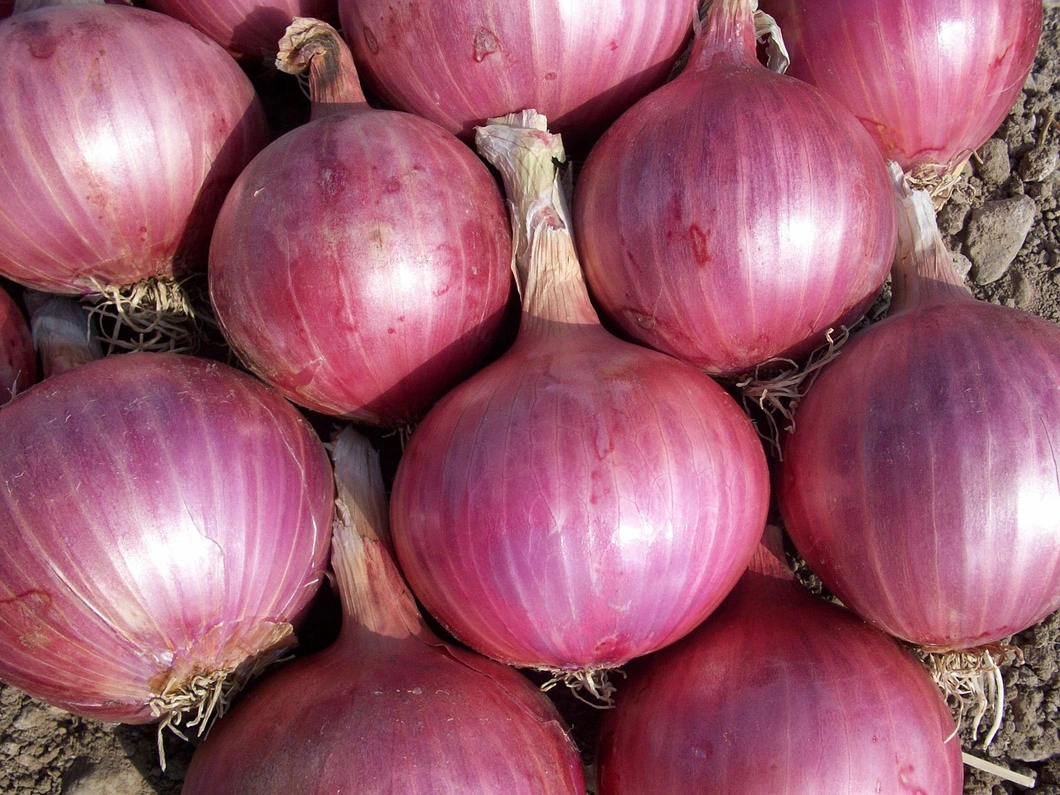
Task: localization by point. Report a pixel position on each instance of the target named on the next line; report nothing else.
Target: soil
(1011, 186)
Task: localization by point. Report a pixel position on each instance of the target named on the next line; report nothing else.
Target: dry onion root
(152, 315)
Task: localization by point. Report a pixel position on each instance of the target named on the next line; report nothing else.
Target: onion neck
(376, 603)
(923, 271)
(726, 33)
(312, 46)
(547, 270)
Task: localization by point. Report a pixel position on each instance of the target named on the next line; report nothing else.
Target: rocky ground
(1002, 226)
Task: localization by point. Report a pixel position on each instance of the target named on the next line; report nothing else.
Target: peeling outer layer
(921, 481)
(164, 521)
(582, 500)
(388, 707)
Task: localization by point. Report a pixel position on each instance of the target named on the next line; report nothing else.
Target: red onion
(123, 130)
(931, 80)
(734, 215)
(245, 27)
(921, 480)
(779, 691)
(18, 360)
(164, 521)
(458, 64)
(389, 707)
(582, 500)
(362, 262)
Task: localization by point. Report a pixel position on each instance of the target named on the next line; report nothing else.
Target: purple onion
(165, 524)
(779, 691)
(921, 481)
(362, 262)
(734, 215)
(123, 130)
(460, 63)
(931, 80)
(245, 27)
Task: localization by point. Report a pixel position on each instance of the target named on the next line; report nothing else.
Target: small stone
(992, 163)
(961, 263)
(1039, 164)
(995, 234)
(952, 216)
(1025, 293)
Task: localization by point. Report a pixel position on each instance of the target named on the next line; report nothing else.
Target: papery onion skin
(582, 500)
(931, 80)
(123, 130)
(388, 708)
(921, 482)
(779, 691)
(733, 215)
(245, 27)
(18, 360)
(458, 64)
(161, 516)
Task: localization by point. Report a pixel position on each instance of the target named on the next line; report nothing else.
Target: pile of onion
(459, 63)
(387, 708)
(931, 80)
(18, 360)
(165, 523)
(362, 262)
(921, 481)
(123, 131)
(734, 215)
(779, 691)
(249, 28)
(582, 500)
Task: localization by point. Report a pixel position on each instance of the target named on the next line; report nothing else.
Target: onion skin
(165, 120)
(161, 516)
(733, 215)
(458, 64)
(921, 481)
(245, 27)
(388, 707)
(580, 501)
(779, 691)
(362, 262)
(931, 80)
(18, 360)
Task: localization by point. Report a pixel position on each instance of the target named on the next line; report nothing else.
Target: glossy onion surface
(362, 264)
(931, 80)
(161, 517)
(733, 215)
(779, 691)
(123, 130)
(458, 64)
